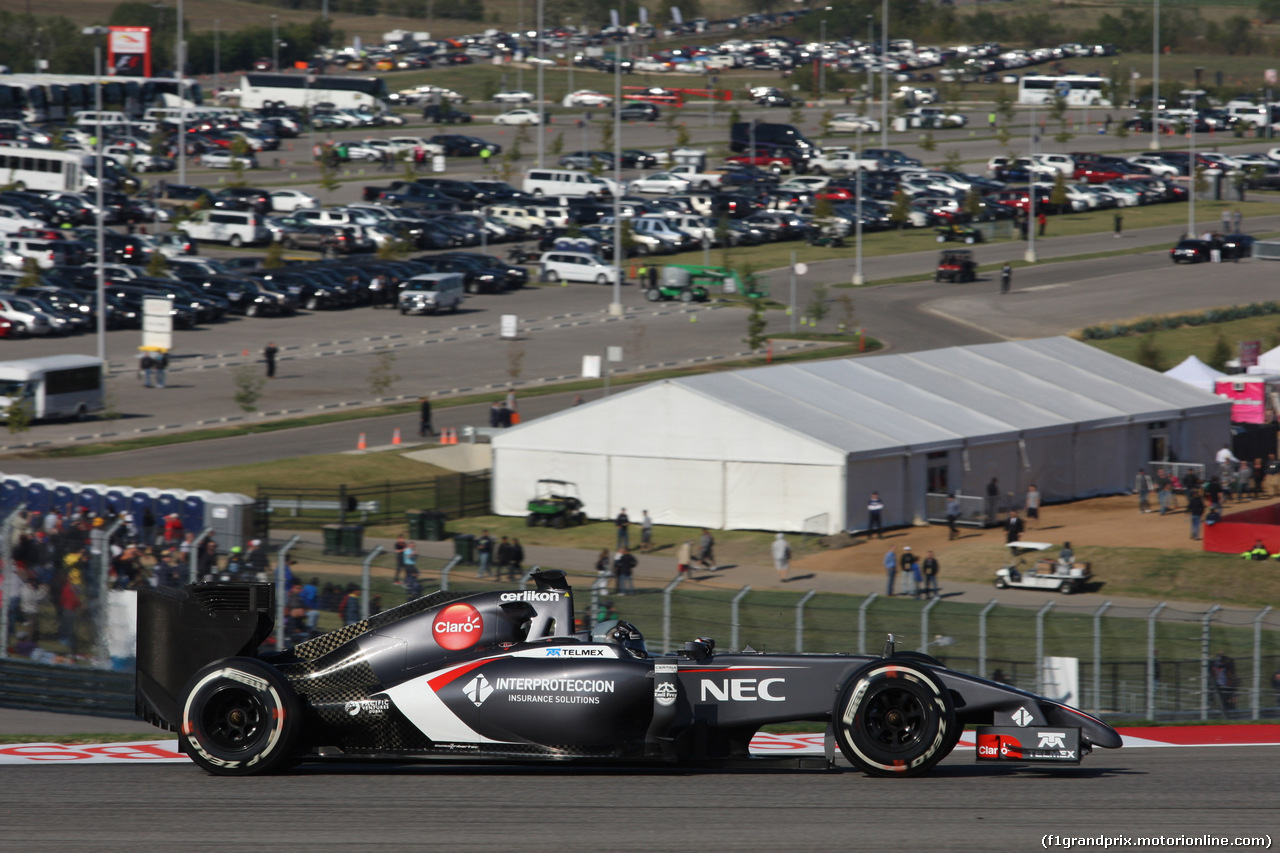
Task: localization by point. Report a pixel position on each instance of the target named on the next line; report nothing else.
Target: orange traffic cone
(452, 435)
(395, 436)
(360, 443)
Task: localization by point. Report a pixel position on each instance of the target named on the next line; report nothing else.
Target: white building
(802, 446)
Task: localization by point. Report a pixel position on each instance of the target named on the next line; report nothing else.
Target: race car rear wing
(179, 631)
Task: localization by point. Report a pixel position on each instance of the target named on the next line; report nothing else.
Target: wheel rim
(234, 720)
(895, 719)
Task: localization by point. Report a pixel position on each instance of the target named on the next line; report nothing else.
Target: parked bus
(308, 90)
(1079, 90)
(65, 171)
(55, 386)
(41, 98)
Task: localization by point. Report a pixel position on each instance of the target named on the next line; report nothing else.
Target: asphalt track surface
(961, 806)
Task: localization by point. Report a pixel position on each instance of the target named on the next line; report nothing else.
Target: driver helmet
(622, 633)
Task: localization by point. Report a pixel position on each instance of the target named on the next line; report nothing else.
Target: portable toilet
(231, 517)
(65, 496)
(13, 492)
(118, 498)
(170, 501)
(193, 510)
(40, 494)
(93, 497)
(141, 502)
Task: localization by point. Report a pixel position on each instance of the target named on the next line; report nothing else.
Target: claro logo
(743, 690)
(458, 626)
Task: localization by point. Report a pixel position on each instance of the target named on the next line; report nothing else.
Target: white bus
(1079, 90)
(64, 171)
(56, 386)
(308, 90)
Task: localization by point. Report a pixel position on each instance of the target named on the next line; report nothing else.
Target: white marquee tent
(802, 446)
(1196, 373)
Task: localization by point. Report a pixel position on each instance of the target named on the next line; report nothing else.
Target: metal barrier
(974, 511)
(65, 689)
(1178, 470)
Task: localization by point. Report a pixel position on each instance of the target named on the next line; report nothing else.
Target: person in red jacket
(172, 529)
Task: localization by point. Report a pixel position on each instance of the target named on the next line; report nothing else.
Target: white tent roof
(867, 406)
(1196, 373)
(1269, 361)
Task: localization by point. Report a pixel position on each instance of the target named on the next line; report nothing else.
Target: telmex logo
(458, 626)
(575, 653)
(1051, 740)
(529, 595)
(742, 689)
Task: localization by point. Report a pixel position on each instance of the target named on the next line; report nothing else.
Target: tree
(953, 162)
(828, 116)
(1221, 353)
(30, 274)
(249, 383)
(328, 174)
(606, 135)
(972, 203)
(797, 113)
(627, 238)
(755, 325)
(18, 415)
(927, 142)
(900, 213)
(1004, 105)
(735, 116)
(682, 135)
(157, 265)
(382, 375)
(818, 307)
(1058, 197)
(239, 148)
(845, 301)
(557, 144)
(1149, 354)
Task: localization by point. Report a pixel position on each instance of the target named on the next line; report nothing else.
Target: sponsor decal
(743, 689)
(456, 747)
(375, 707)
(665, 668)
(458, 626)
(555, 691)
(1051, 740)
(529, 595)
(665, 693)
(1022, 717)
(478, 689)
(575, 652)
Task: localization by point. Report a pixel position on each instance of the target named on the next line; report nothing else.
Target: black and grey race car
(503, 677)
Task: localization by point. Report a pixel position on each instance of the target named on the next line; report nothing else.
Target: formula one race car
(502, 677)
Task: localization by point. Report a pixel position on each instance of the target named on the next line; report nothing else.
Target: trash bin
(464, 546)
(332, 538)
(414, 522)
(351, 539)
(432, 526)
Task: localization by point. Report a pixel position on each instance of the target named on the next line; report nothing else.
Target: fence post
(1204, 662)
(1097, 656)
(666, 614)
(365, 571)
(1257, 661)
(444, 573)
(733, 617)
(982, 637)
(1151, 660)
(1040, 614)
(800, 619)
(281, 591)
(193, 559)
(104, 564)
(924, 625)
(862, 622)
(9, 584)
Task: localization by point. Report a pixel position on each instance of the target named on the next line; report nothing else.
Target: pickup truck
(841, 162)
(699, 180)
(776, 163)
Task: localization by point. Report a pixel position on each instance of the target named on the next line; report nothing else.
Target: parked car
(639, 111)
(521, 117)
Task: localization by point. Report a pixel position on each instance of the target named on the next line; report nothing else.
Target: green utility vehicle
(555, 504)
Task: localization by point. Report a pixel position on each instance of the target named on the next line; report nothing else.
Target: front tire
(552, 276)
(240, 717)
(235, 241)
(894, 719)
(1001, 583)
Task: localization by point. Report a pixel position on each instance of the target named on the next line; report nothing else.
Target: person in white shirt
(781, 556)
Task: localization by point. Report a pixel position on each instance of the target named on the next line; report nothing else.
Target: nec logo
(1051, 740)
(742, 690)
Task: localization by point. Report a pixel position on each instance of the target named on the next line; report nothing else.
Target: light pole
(1191, 173)
(275, 46)
(542, 110)
(871, 50)
(99, 226)
(217, 54)
(884, 75)
(1030, 255)
(1155, 79)
(615, 307)
(858, 278)
(822, 51)
(180, 62)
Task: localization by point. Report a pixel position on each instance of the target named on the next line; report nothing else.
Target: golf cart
(956, 265)
(958, 232)
(1045, 573)
(678, 282)
(555, 504)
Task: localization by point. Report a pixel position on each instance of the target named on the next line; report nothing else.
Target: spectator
(993, 500)
(269, 356)
(707, 550)
(875, 519)
(930, 569)
(257, 560)
(1042, 221)
(1222, 677)
(1163, 489)
(623, 525)
(953, 515)
(911, 569)
(1244, 474)
(398, 548)
(349, 609)
(1258, 474)
(891, 569)
(1273, 476)
(295, 610)
(484, 553)
(516, 567)
(781, 553)
(1195, 508)
(1013, 527)
(424, 418)
(1142, 488)
(1032, 504)
(646, 531)
(504, 558)
(684, 557)
(410, 558)
(311, 603)
(625, 565)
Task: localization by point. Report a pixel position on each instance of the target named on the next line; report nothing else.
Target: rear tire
(531, 520)
(552, 276)
(653, 294)
(235, 241)
(894, 719)
(558, 522)
(686, 296)
(602, 279)
(240, 717)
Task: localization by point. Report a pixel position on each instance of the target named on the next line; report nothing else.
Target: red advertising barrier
(1237, 532)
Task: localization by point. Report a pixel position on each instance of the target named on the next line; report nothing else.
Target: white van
(528, 218)
(56, 386)
(336, 217)
(563, 182)
(577, 266)
(226, 226)
(101, 119)
(432, 293)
